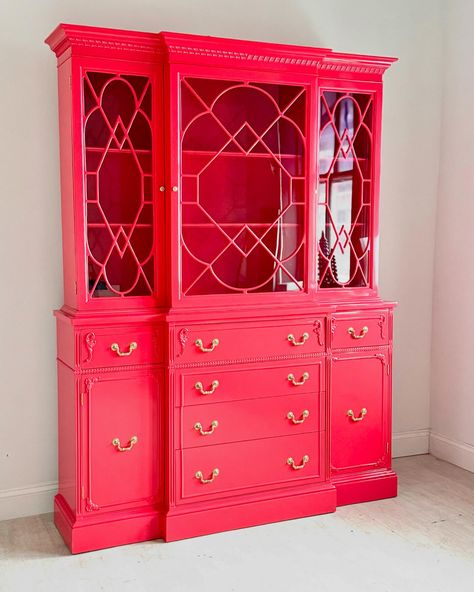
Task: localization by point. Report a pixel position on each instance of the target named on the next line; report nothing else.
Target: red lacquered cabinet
(224, 358)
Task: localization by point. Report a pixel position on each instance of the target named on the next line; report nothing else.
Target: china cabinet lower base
(99, 532)
(183, 523)
(365, 487)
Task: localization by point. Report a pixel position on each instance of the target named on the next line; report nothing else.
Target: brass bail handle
(131, 348)
(362, 334)
(198, 427)
(200, 345)
(292, 339)
(304, 378)
(116, 442)
(362, 414)
(200, 477)
(304, 461)
(200, 387)
(304, 416)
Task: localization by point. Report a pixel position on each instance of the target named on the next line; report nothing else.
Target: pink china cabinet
(224, 358)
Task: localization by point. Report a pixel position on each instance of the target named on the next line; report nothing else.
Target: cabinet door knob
(296, 467)
(292, 339)
(198, 428)
(162, 188)
(131, 348)
(200, 387)
(116, 442)
(174, 188)
(304, 378)
(361, 335)
(200, 477)
(362, 414)
(200, 345)
(304, 415)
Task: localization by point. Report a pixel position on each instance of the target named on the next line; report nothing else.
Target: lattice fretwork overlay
(345, 190)
(242, 187)
(119, 188)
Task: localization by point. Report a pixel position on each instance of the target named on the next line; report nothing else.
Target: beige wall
(452, 404)
(30, 261)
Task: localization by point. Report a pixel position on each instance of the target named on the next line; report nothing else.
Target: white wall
(30, 264)
(452, 406)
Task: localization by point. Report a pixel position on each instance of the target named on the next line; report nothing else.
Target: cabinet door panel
(121, 428)
(358, 412)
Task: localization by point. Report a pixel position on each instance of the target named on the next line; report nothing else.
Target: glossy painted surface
(197, 176)
(234, 384)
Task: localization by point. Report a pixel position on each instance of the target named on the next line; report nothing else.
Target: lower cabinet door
(359, 411)
(121, 440)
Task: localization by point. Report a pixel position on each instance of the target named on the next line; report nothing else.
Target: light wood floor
(421, 541)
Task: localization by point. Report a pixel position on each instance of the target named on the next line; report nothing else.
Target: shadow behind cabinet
(224, 359)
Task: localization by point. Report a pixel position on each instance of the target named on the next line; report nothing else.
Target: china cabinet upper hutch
(224, 359)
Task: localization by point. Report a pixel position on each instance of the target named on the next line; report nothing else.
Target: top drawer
(350, 330)
(120, 346)
(206, 343)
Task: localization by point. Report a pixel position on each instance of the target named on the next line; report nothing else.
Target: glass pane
(118, 169)
(242, 186)
(345, 189)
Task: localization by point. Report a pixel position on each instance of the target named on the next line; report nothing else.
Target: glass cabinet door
(242, 187)
(118, 160)
(345, 189)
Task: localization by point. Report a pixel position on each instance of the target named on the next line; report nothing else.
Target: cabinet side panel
(67, 181)
(67, 430)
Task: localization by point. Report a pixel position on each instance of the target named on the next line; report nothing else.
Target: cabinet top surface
(176, 45)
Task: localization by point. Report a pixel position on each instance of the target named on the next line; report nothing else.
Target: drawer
(359, 412)
(217, 423)
(206, 343)
(221, 384)
(350, 330)
(120, 346)
(120, 423)
(223, 468)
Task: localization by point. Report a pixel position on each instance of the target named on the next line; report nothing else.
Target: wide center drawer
(217, 423)
(207, 343)
(228, 467)
(218, 384)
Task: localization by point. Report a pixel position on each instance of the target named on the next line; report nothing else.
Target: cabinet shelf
(239, 154)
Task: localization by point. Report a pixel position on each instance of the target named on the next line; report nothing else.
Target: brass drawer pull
(304, 378)
(131, 444)
(200, 477)
(363, 413)
(292, 464)
(131, 348)
(292, 339)
(361, 335)
(198, 428)
(199, 344)
(200, 387)
(304, 415)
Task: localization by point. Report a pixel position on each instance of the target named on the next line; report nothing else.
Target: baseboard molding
(457, 453)
(410, 443)
(27, 501)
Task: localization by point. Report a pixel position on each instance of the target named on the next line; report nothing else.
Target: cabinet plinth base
(87, 535)
(182, 523)
(365, 487)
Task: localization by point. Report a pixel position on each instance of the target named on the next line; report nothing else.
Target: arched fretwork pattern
(119, 191)
(345, 189)
(242, 187)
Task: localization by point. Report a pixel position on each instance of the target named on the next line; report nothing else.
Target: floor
(421, 541)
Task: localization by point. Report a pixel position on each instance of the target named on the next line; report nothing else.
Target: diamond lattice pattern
(118, 176)
(345, 190)
(243, 187)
